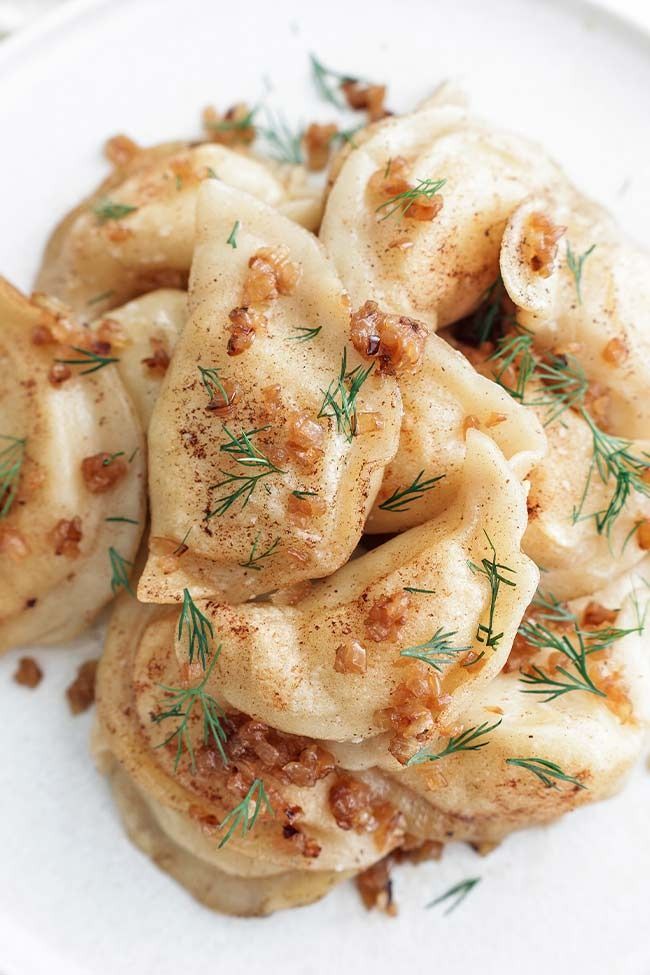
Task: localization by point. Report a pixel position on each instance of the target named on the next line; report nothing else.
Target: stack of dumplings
(368, 472)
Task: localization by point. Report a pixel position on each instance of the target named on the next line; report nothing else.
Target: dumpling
(591, 297)
(592, 735)
(72, 477)
(332, 665)
(441, 401)
(293, 853)
(144, 333)
(268, 442)
(135, 233)
(415, 217)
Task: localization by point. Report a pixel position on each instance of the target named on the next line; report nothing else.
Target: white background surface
(75, 897)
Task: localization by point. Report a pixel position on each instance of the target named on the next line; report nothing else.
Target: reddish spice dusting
(65, 537)
(317, 143)
(28, 673)
(120, 150)
(116, 232)
(102, 471)
(616, 351)
(12, 543)
(244, 326)
(159, 360)
(396, 341)
(229, 129)
(81, 693)
(350, 658)
(541, 243)
(387, 616)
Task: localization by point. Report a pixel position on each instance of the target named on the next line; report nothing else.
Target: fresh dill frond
(283, 143)
(102, 297)
(253, 561)
(466, 741)
(241, 817)
(401, 499)
(107, 209)
(456, 894)
(576, 649)
(212, 382)
(91, 360)
(437, 652)
(340, 398)
(182, 704)
(11, 461)
(199, 630)
(401, 203)
(515, 350)
(548, 607)
(487, 317)
(307, 334)
(493, 572)
(232, 239)
(322, 78)
(575, 263)
(545, 771)
(119, 572)
(614, 462)
(245, 453)
(428, 592)
(126, 521)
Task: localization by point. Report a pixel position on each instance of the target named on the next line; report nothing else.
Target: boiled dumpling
(71, 475)
(268, 442)
(136, 232)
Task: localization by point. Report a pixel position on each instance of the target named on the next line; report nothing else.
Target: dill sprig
(400, 500)
(614, 461)
(488, 315)
(457, 894)
(119, 572)
(545, 771)
(493, 572)
(104, 296)
(232, 238)
(241, 817)
(322, 78)
(307, 334)
(414, 589)
(575, 263)
(254, 559)
(402, 202)
(466, 741)
(126, 521)
(92, 360)
(283, 143)
(548, 607)
(107, 209)
(436, 652)
(183, 701)
(213, 383)
(244, 451)
(341, 395)
(199, 630)
(11, 461)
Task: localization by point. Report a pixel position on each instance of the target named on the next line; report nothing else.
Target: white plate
(75, 896)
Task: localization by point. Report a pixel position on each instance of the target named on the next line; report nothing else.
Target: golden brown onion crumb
(120, 150)
(541, 241)
(12, 543)
(317, 142)
(41, 335)
(65, 537)
(220, 405)
(28, 673)
(361, 96)
(81, 692)
(305, 438)
(302, 510)
(392, 179)
(351, 805)
(245, 323)
(159, 360)
(395, 340)
(615, 352)
(643, 535)
(58, 373)
(376, 888)
(233, 128)
(271, 273)
(387, 616)
(102, 471)
(595, 614)
(350, 658)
